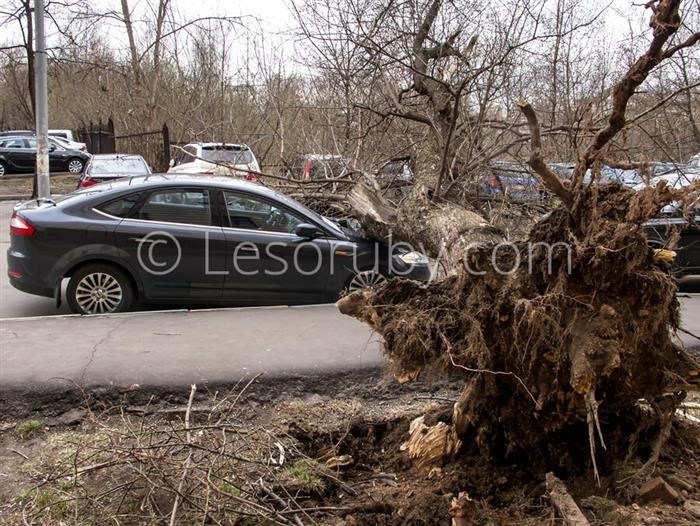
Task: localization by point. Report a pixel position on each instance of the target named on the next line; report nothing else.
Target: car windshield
(119, 165)
(227, 154)
(317, 217)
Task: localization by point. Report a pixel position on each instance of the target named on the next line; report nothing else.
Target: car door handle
(142, 239)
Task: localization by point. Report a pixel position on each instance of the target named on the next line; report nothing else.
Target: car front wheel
(99, 289)
(75, 165)
(3, 168)
(366, 279)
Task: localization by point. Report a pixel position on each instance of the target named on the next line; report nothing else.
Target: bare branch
(536, 161)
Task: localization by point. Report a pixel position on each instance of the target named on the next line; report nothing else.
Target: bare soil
(21, 185)
(312, 459)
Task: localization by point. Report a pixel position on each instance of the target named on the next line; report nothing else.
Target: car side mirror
(307, 231)
(171, 163)
(52, 147)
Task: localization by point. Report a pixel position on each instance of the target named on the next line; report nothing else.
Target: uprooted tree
(559, 335)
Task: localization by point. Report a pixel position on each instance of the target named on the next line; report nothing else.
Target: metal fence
(99, 138)
(154, 146)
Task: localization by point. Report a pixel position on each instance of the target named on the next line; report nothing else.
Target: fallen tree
(559, 335)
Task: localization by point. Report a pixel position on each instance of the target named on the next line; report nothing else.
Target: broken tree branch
(665, 21)
(564, 503)
(188, 460)
(536, 161)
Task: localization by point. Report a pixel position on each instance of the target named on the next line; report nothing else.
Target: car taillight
(252, 176)
(84, 183)
(21, 227)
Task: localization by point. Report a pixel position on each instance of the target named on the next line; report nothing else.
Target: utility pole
(41, 111)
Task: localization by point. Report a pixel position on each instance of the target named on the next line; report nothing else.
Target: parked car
(513, 180)
(395, 177)
(608, 175)
(71, 145)
(64, 134)
(109, 166)
(63, 137)
(213, 158)
(177, 239)
(676, 179)
(18, 154)
(660, 231)
(318, 166)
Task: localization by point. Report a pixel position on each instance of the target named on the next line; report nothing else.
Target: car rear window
(120, 207)
(227, 154)
(126, 166)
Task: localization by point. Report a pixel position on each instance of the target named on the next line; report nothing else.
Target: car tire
(99, 289)
(365, 279)
(75, 165)
(3, 168)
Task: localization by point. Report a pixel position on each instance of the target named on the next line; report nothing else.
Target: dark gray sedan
(18, 155)
(191, 240)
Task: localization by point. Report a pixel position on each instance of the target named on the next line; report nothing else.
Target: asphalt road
(178, 348)
(13, 303)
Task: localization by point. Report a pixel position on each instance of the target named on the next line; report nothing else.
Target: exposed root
(583, 325)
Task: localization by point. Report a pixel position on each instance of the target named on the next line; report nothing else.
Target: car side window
(120, 207)
(252, 213)
(177, 205)
(14, 143)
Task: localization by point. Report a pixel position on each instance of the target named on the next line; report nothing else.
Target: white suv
(215, 158)
(694, 161)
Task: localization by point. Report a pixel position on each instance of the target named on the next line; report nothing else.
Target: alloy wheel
(365, 279)
(75, 166)
(98, 293)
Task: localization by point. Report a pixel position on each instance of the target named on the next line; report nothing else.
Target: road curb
(15, 197)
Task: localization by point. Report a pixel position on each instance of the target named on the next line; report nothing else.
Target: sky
(275, 20)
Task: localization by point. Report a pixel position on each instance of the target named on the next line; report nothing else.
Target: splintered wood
(430, 446)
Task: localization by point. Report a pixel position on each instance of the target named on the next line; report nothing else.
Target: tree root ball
(554, 352)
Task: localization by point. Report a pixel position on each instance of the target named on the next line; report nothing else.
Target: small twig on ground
(285, 505)
(564, 503)
(25, 457)
(188, 460)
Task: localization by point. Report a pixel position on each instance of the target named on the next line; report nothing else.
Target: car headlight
(413, 258)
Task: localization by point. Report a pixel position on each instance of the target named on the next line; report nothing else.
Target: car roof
(111, 156)
(23, 137)
(214, 144)
(184, 180)
(11, 133)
